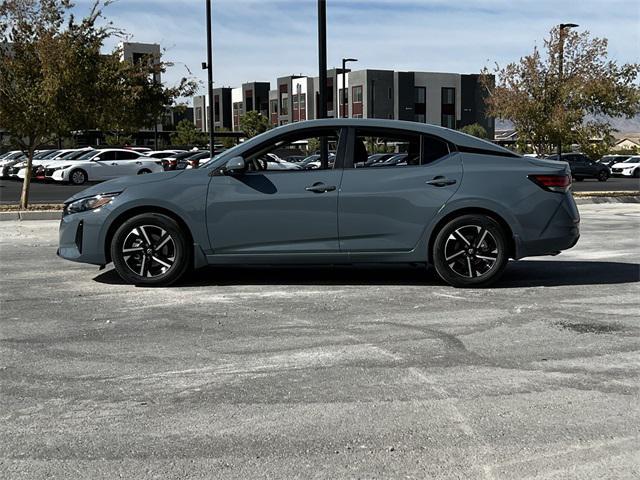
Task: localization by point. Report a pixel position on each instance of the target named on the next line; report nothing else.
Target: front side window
(309, 150)
(127, 156)
(379, 148)
(106, 156)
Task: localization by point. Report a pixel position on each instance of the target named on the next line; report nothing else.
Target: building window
(248, 104)
(216, 108)
(420, 105)
(198, 116)
(448, 107)
(329, 94)
(284, 104)
(357, 94)
(274, 106)
(343, 102)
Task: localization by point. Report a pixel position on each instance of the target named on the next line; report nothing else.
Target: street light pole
(345, 109)
(209, 67)
(322, 58)
(563, 26)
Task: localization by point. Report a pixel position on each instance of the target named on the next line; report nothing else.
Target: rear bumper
(562, 232)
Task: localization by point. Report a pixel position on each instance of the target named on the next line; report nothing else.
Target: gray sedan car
(458, 203)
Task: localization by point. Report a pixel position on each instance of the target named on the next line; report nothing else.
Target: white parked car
(628, 168)
(98, 165)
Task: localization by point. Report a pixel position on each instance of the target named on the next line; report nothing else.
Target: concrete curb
(594, 200)
(31, 215)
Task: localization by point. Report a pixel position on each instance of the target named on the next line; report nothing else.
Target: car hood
(626, 165)
(119, 184)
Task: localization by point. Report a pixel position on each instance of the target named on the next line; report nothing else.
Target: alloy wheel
(149, 251)
(78, 177)
(471, 251)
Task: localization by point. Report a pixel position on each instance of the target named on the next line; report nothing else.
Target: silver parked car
(461, 204)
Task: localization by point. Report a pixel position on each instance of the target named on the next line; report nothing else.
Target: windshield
(633, 160)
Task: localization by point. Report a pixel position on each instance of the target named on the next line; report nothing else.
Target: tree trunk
(24, 197)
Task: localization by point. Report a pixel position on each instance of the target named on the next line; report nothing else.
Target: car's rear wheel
(78, 177)
(144, 171)
(636, 173)
(470, 251)
(151, 249)
(603, 176)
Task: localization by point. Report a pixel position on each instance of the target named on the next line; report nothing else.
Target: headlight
(64, 167)
(89, 203)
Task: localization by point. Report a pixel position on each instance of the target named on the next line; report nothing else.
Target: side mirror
(235, 165)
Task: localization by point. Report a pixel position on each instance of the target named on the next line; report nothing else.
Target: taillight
(553, 183)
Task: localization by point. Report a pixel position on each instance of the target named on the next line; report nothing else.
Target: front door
(385, 207)
(277, 206)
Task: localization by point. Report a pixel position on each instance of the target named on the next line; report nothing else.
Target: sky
(260, 40)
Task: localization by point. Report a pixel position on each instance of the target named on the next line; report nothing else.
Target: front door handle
(114, 163)
(320, 188)
(441, 181)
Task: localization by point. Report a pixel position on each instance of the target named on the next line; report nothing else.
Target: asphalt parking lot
(42, 192)
(323, 372)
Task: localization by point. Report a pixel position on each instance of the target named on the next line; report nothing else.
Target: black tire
(78, 177)
(144, 171)
(603, 176)
(636, 173)
(470, 251)
(157, 262)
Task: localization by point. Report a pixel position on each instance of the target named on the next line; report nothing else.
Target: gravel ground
(323, 372)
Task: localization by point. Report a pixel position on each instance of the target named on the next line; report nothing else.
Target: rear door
(128, 162)
(387, 208)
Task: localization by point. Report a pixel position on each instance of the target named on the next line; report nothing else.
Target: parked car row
(78, 166)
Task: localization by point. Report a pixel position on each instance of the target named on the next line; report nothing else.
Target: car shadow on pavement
(527, 273)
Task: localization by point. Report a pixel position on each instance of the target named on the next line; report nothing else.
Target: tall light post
(563, 27)
(322, 74)
(209, 67)
(345, 109)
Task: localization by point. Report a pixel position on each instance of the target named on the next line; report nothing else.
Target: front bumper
(80, 238)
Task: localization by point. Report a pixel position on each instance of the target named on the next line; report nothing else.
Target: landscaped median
(54, 211)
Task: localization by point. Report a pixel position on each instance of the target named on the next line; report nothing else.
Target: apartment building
(450, 100)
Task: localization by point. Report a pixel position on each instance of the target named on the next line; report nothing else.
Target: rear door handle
(320, 188)
(441, 182)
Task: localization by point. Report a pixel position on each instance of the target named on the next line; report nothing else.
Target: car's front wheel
(603, 176)
(470, 251)
(151, 249)
(78, 177)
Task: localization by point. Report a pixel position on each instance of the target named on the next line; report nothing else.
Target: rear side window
(376, 148)
(433, 149)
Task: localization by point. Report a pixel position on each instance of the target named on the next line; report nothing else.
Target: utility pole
(322, 57)
(322, 66)
(209, 67)
(563, 26)
(345, 109)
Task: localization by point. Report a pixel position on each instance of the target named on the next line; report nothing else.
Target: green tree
(254, 123)
(187, 134)
(547, 108)
(476, 130)
(54, 79)
(227, 142)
